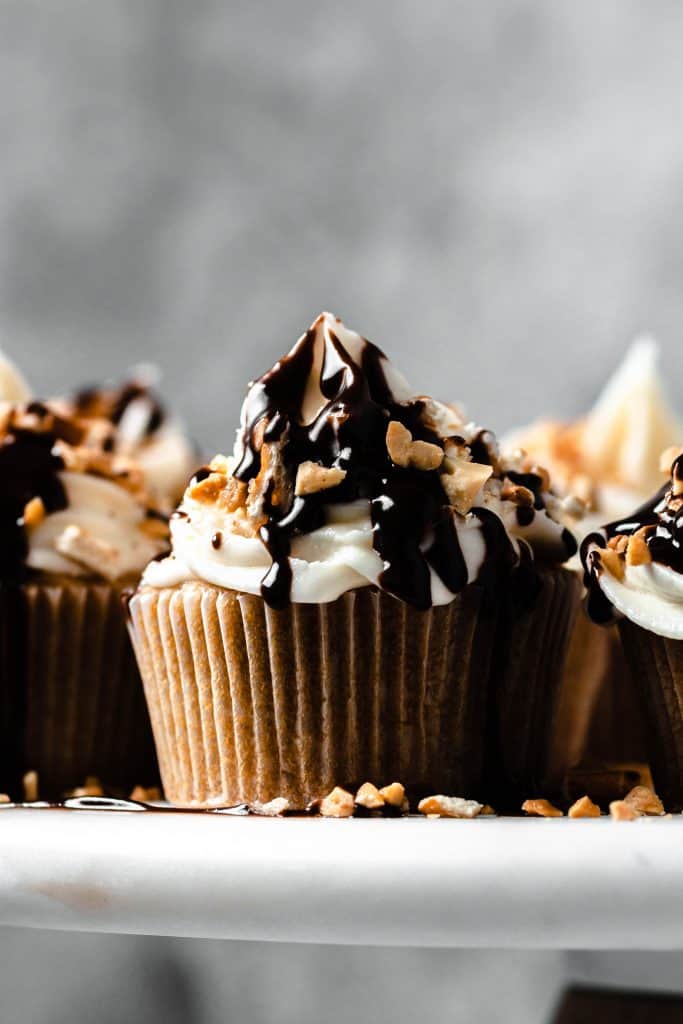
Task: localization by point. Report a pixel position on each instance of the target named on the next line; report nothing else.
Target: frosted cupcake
(77, 527)
(610, 459)
(130, 420)
(635, 573)
(338, 592)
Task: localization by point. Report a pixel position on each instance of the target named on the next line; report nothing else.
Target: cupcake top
(609, 458)
(342, 477)
(634, 567)
(66, 507)
(134, 423)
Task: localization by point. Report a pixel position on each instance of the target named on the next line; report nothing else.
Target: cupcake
(609, 458)
(634, 572)
(77, 528)
(130, 420)
(337, 603)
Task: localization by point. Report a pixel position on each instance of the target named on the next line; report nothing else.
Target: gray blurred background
(493, 192)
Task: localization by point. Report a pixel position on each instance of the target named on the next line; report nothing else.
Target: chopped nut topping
(337, 804)
(449, 807)
(92, 787)
(89, 551)
(219, 464)
(405, 452)
(517, 494)
(668, 457)
(209, 490)
(584, 808)
(637, 552)
(393, 794)
(369, 796)
(621, 811)
(463, 483)
(34, 512)
(272, 809)
(613, 562)
(644, 800)
(618, 543)
(541, 809)
(146, 794)
(234, 495)
(311, 478)
(30, 784)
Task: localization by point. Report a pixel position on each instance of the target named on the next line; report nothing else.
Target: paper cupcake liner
(657, 669)
(248, 703)
(72, 699)
(527, 688)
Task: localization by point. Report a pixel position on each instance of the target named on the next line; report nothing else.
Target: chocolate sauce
(113, 404)
(29, 468)
(414, 528)
(663, 516)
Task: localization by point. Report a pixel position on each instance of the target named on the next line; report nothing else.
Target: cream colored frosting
(650, 595)
(209, 544)
(98, 533)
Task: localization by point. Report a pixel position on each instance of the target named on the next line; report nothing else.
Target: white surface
(503, 883)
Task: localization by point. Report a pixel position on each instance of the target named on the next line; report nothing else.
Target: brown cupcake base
(70, 691)
(248, 703)
(657, 671)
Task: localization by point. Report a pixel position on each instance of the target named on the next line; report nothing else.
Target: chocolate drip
(662, 515)
(113, 404)
(29, 469)
(348, 431)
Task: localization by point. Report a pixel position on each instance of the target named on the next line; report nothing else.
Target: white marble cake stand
(499, 883)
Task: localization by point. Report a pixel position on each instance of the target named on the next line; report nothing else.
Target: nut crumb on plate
(394, 794)
(272, 809)
(369, 797)
(584, 808)
(449, 807)
(337, 804)
(541, 809)
(621, 811)
(30, 784)
(644, 800)
(146, 794)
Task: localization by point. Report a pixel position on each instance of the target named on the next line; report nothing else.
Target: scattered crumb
(146, 794)
(487, 811)
(4, 799)
(337, 804)
(92, 787)
(395, 795)
(30, 783)
(272, 809)
(369, 797)
(449, 807)
(644, 800)
(311, 478)
(621, 811)
(584, 808)
(541, 809)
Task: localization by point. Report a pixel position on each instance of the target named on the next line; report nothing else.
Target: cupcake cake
(77, 528)
(337, 604)
(610, 459)
(130, 420)
(634, 572)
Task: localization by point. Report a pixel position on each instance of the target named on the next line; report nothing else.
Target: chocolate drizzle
(331, 404)
(661, 518)
(29, 468)
(112, 404)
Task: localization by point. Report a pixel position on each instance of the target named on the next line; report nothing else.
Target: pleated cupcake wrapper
(248, 703)
(72, 692)
(584, 673)
(657, 670)
(526, 690)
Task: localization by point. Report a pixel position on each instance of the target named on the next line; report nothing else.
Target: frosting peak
(343, 477)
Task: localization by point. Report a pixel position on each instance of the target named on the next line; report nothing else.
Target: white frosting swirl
(650, 595)
(97, 534)
(210, 545)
